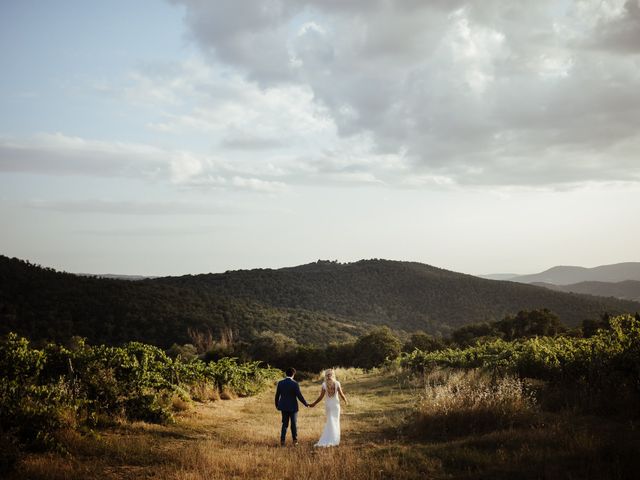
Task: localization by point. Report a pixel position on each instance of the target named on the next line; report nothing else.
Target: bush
(43, 391)
(607, 362)
(423, 342)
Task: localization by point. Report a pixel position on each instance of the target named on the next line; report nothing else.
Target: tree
(467, 335)
(373, 349)
(542, 323)
(273, 348)
(423, 342)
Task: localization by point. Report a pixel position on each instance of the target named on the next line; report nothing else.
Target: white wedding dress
(331, 433)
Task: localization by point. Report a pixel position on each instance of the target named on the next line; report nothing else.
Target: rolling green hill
(314, 303)
(403, 295)
(44, 304)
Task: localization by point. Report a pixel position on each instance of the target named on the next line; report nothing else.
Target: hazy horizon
(275, 267)
(175, 137)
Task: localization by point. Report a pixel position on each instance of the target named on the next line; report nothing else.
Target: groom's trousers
(286, 417)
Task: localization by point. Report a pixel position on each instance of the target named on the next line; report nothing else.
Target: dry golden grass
(463, 402)
(342, 374)
(204, 392)
(244, 436)
(180, 404)
(239, 439)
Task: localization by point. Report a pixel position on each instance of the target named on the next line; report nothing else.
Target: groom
(287, 395)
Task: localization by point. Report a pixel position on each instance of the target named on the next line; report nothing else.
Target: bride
(331, 387)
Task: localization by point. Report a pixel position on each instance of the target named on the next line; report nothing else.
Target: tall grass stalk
(462, 402)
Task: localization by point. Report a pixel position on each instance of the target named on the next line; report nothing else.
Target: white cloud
(420, 94)
(63, 155)
(257, 184)
(489, 92)
(132, 207)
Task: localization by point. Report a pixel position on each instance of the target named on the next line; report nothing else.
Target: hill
(499, 276)
(403, 295)
(627, 290)
(42, 303)
(114, 276)
(567, 275)
(314, 303)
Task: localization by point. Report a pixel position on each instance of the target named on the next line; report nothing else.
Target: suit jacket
(287, 395)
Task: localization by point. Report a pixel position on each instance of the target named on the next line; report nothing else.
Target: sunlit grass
(391, 429)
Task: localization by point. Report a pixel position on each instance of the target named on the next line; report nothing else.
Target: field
(392, 428)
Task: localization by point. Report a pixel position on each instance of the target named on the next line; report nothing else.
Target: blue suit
(287, 396)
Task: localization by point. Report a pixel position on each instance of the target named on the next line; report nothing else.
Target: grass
(392, 429)
(463, 402)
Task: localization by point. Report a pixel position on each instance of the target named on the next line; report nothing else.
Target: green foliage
(543, 323)
(45, 305)
(424, 342)
(29, 411)
(608, 359)
(369, 351)
(45, 390)
(406, 296)
(374, 348)
(524, 324)
(319, 303)
(184, 352)
(272, 345)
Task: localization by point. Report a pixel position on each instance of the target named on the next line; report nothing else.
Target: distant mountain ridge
(317, 303)
(499, 276)
(568, 275)
(627, 290)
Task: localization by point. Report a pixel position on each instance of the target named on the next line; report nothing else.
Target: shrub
(43, 391)
(607, 362)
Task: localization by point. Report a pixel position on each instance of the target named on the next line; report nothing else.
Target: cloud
(158, 231)
(248, 142)
(481, 93)
(615, 26)
(63, 155)
(132, 207)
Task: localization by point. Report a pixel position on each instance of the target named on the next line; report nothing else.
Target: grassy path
(239, 438)
(242, 436)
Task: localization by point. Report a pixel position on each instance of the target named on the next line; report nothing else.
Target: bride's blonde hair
(330, 381)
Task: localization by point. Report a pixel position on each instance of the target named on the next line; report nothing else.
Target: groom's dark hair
(290, 372)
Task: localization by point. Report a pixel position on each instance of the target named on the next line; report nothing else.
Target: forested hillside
(316, 303)
(44, 304)
(403, 295)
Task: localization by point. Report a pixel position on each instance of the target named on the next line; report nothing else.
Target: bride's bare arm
(342, 395)
(319, 398)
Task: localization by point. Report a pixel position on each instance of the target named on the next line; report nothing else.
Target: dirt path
(239, 439)
(376, 404)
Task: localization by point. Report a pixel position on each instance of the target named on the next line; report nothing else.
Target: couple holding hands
(287, 396)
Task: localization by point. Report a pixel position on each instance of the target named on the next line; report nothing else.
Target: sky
(170, 137)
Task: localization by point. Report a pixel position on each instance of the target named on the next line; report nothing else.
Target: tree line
(382, 344)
